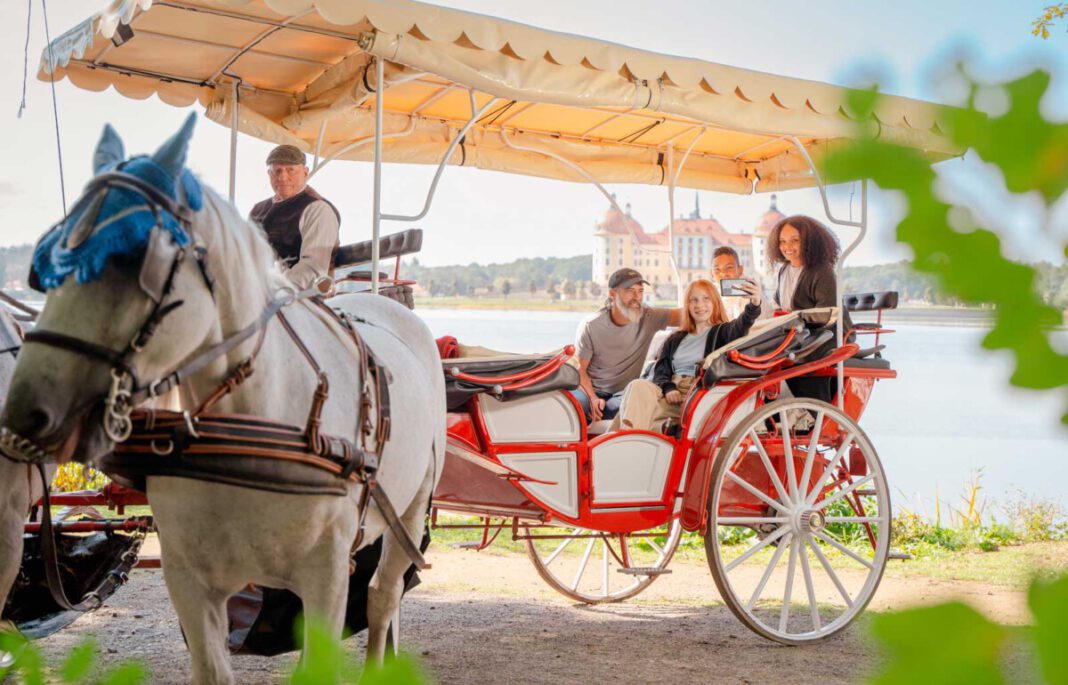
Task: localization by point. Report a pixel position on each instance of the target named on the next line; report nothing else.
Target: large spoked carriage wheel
(797, 546)
(594, 567)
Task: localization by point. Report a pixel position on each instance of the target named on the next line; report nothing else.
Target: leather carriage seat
(870, 302)
(392, 245)
(458, 392)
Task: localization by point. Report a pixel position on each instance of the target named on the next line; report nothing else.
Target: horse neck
(240, 262)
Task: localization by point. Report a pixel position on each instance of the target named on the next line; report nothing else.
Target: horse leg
(323, 590)
(387, 586)
(202, 614)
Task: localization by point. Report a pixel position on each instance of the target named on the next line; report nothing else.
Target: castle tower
(760, 238)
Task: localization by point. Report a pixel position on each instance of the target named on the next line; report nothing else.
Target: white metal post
(235, 85)
(862, 225)
(671, 225)
(380, 73)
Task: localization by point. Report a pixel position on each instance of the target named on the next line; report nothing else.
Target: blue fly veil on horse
(117, 221)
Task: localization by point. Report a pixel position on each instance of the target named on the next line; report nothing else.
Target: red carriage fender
(694, 516)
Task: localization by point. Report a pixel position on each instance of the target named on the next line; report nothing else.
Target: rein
(235, 436)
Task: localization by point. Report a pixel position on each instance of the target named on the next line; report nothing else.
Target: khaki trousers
(644, 405)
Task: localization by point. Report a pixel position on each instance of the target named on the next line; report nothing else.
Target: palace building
(619, 240)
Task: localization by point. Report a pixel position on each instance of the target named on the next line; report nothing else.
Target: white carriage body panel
(547, 417)
(630, 467)
(709, 400)
(560, 469)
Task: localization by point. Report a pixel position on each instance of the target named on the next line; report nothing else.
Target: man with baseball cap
(300, 224)
(612, 344)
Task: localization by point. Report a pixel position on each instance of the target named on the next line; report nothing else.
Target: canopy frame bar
(256, 20)
(862, 225)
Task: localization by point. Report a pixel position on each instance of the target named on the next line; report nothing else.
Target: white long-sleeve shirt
(319, 229)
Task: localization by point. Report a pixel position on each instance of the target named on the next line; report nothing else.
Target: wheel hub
(812, 521)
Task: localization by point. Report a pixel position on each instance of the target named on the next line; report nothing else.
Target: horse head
(125, 303)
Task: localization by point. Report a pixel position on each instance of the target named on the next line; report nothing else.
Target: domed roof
(769, 219)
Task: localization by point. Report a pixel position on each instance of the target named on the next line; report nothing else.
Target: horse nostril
(38, 423)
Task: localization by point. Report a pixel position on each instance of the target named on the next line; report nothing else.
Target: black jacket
(815, 288)
(717, 336)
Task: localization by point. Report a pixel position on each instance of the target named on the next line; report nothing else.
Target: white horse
(217, 538)
(20, 485)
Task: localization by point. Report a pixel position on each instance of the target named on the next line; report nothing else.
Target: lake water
(950, 412)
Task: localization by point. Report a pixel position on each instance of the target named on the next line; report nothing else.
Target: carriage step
(469, 544)
(644, 571)
(903, 556)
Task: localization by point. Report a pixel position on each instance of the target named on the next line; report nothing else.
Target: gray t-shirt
(691, 350)
(616, 352)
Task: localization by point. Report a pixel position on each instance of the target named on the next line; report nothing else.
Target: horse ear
(109, 150)
(171, 155)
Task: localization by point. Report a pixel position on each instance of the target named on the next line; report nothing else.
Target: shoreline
(908, 315)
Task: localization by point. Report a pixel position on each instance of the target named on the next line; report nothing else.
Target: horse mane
(233, 244)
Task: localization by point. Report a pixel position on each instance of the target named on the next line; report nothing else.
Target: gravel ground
(487, 618)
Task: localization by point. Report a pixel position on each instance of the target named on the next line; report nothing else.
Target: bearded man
(300, 224)
(612, 344)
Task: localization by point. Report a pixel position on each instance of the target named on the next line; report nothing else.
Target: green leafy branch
(1050, 16)
(953, 643)
(966, 260)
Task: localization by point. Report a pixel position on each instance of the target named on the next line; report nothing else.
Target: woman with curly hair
(805, 251)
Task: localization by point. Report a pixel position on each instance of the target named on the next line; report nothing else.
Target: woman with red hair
(646, 404)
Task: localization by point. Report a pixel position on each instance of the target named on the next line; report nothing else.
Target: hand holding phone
(733, 287)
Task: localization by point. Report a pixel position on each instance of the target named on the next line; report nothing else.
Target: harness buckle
(117, 407)
(190, 423)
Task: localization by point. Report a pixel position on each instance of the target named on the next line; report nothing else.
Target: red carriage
(787, 492)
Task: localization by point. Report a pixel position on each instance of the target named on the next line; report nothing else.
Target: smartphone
(731, 287)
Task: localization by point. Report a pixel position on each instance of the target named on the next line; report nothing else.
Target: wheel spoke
(813, 608)
(658, 548)
(784, 615)
(565, 543)
(810, 458)
(856, 519)
(831, 466)
(788, 453)
(749, 520)
(844, 550)
(756, 548)
(753, 491)
(582, 565)
(830, 573)
(604, 571)
(845, 491)
(767, 573)
(775, 480)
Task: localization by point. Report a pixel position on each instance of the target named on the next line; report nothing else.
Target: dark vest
(280, 221)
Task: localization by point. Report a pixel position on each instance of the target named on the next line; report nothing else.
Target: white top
(788, 278)
(318, 236)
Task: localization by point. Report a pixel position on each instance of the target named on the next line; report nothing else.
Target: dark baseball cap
(625, 278)
(286, 154)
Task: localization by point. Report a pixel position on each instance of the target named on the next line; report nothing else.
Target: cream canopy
(548, 104)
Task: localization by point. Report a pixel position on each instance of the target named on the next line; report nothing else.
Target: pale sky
(481, 216)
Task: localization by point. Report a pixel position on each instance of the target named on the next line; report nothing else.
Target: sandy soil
(488, 618)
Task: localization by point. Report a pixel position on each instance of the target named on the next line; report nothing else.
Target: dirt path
(488, 618)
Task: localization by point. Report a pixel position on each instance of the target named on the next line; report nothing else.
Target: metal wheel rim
(743, 601)
(619, 586)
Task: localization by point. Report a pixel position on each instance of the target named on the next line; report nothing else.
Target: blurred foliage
(79, 667)
(472, 279)
(964, 258)
(1050, 16)
(72, 477)
(953, 643)
(326, 661)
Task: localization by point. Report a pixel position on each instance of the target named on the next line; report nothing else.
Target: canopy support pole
(376, 221)
(862, 227)
(476, 113)
(235, 85)
(673, 177)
